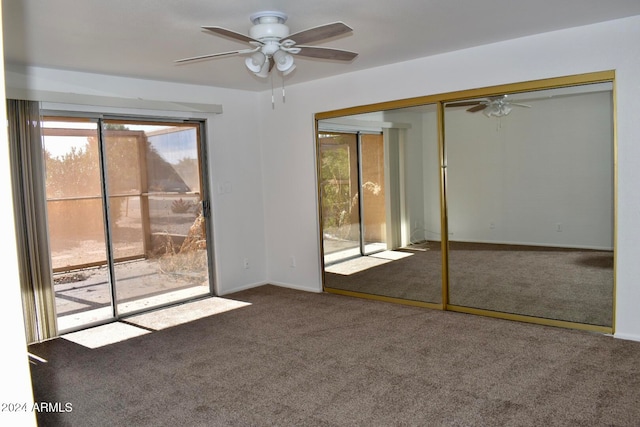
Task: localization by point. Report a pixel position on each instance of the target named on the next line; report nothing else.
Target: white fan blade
(520, 105)
(320, 32)
(326, 53)
(216, 55)
(232, 34)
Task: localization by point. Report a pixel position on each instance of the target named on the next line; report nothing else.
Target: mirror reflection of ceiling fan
(492, 106)
(272, 45)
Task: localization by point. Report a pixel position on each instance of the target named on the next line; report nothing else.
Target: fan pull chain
(273, 102)
(283, 97)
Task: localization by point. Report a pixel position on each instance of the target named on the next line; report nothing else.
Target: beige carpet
(295, 358)
(554, 283)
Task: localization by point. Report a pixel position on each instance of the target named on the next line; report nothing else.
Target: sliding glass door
(126, 220)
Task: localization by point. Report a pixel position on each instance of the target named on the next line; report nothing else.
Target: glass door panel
(373, 193)
(75, 213)
(155, 204)
(339, 189)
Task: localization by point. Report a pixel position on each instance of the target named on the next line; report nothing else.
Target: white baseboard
(544, 245)
(297, 287)
(281, 284)
(241, 288)
(628, 337)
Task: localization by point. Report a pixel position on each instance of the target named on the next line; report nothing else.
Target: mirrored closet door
(498, 201)
(530, 202)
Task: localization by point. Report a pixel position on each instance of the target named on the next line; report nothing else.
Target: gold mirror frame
(439, 100)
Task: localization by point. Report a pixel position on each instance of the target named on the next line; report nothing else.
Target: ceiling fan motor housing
(268, 26)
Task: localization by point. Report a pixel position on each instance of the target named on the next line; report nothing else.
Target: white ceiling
(142, 38)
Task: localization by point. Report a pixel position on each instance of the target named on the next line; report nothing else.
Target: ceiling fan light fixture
(284, 61)
(289, 70)
(264, 71)
(256, 62)
(497, 109)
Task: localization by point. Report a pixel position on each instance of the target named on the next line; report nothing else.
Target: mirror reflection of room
(530, 203)
(528, 180)
(380, 197)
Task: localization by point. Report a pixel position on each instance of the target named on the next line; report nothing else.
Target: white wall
(516, 179)
(234, 157)
(288, 140)
(16, 378)
(413, 178)
(431, 166)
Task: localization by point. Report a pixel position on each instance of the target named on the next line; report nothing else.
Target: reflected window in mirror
(379, 179)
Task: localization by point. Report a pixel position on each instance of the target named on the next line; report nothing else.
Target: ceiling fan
(493, 106)
(272, 45)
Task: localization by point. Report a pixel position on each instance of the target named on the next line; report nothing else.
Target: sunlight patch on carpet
(392, 255)
(172, 316)
(357, 265)
(104, 335)
(146, 323)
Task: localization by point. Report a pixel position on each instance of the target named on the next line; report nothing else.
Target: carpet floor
(293, 358)
(552, 283)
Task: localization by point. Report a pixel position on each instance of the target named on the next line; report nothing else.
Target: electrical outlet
(559, 227)
(224, 187)
(245, 263)
(292, 262)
